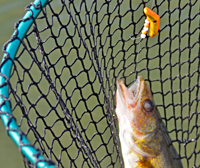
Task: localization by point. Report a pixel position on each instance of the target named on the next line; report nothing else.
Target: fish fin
(144, 163)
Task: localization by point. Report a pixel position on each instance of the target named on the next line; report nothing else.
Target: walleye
(144, 139)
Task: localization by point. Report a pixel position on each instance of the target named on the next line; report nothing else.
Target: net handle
(28, 150)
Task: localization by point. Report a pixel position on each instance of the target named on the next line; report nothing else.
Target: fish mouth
(132, 93)
(136, 88)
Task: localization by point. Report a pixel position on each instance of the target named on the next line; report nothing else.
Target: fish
(144, 139)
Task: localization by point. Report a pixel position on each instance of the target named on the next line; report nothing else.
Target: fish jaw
(124, 98)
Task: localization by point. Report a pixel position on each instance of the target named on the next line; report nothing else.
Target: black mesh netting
(63, 81)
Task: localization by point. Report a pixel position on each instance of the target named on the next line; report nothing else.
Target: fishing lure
(144, 139)
(152, 20)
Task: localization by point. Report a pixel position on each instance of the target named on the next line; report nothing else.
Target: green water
(12, 11)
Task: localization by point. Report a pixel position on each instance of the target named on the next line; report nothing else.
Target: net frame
(10, 49)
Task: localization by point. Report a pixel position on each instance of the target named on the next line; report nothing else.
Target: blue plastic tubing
(12, 47)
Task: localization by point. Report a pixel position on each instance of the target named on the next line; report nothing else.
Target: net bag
(60, 67)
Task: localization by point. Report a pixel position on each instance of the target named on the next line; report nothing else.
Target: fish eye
(154, 21)
(148, 105)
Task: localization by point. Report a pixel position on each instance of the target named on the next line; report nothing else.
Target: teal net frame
(27, 149)
(106, 62)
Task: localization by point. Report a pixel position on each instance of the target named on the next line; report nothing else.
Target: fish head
(136, 107)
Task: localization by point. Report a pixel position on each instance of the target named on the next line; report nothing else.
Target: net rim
(11, 48)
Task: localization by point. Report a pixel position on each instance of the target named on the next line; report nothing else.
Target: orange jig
(152, 20)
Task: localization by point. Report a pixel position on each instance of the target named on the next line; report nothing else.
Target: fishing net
(63, 80)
